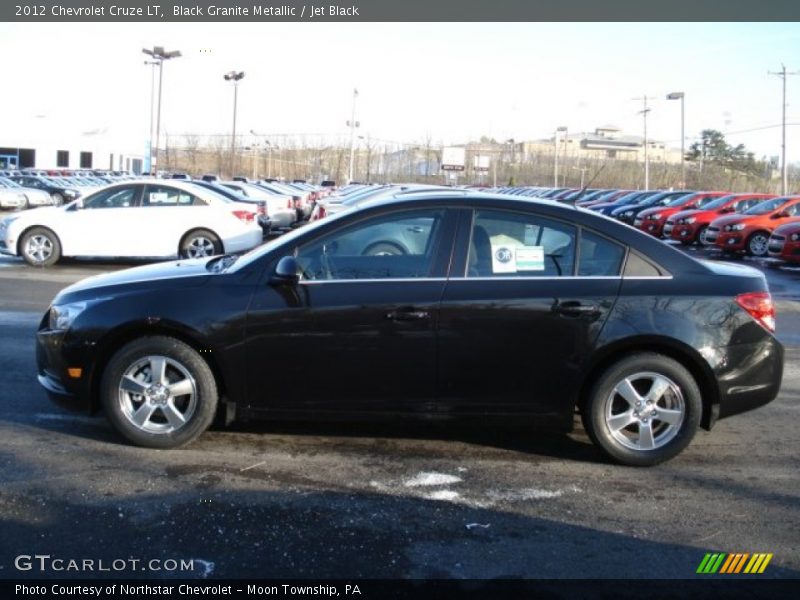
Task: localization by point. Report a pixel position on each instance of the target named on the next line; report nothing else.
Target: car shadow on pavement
(306, 534)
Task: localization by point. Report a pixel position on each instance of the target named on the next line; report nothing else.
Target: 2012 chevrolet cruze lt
(452, 304)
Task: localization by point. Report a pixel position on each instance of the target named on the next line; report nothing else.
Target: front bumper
(730, 241)
(69, 393)
(682, 232)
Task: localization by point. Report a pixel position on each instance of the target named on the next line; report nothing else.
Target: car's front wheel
(40, 247)
(58, 199)
(158, 392)
(200, 243)
(758, 244)
(643, 410)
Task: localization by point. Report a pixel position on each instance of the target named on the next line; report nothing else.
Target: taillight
(289, 203)
(296, 200)
(760, 306)
(322, 212)
(262, 209)
(243, 215)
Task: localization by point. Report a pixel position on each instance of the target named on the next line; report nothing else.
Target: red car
(689, 226)
(749, 232)
(652, 220)
(784, 243)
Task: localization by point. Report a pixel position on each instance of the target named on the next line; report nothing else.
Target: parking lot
(367, 500)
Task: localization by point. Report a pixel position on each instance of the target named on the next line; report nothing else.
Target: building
(40, 143)
(607, 142)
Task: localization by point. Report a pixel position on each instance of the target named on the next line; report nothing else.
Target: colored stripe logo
(734, 564)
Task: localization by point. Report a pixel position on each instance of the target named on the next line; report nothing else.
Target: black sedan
(488, 306)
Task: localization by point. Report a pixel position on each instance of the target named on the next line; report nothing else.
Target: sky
(450, 82)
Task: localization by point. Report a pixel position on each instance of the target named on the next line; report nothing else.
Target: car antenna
(586, 187)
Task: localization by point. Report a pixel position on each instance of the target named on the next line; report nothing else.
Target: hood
(657, 209)
(730, 219)
(188, 269)
(682, 214)
(789, 228)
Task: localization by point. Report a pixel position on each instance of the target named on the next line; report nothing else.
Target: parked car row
(760, 225)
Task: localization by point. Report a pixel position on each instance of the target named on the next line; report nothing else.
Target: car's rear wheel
(40, 247)
(158, 392)
(383, 249)
(758, 244)
(200, 243)
(643, 410)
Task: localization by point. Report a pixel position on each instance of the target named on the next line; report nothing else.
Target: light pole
(153, 64)
(352, 124)
(679, 96)
(159, 55)
(235, 77)
(555, 154)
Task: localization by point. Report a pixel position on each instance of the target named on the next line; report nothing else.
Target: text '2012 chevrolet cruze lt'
(452, 304)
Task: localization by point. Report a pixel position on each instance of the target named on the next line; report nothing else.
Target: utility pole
(680, 96)
(352, 124)
(644, 112)
(784, 178)
(555, 154)
(159, 55)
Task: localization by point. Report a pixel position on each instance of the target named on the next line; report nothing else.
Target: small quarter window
(639, 267)
(599, 256)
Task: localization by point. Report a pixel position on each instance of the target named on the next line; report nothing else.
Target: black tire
(40, 247)
(757, 244)
(382, 249)
(200, 243)
(701, 235)
(167, 420)
(58, 199)
(679, 404)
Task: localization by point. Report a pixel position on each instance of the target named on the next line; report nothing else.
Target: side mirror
(781, 215)
(77, 204)
(728, 209)
(287, 271)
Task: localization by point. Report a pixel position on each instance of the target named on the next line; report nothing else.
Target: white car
(279, 207)
(33, 196)
(133, 219)
(11, 197)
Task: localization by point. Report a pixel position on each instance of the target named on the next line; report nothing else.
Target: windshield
(718, 202)
(679, 200)
(765, 207)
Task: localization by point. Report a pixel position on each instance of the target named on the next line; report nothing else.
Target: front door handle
(407, 314)
(576, 309)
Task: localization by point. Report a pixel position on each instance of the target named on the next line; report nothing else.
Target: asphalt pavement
(431, 500)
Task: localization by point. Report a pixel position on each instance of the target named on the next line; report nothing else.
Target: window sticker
(530, 258)
(503, 259)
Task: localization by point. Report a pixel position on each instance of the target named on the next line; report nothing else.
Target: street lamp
(555, 154)
(159, 55)
(235, 77)
(153, 63)
(352, 124)
(679, 96)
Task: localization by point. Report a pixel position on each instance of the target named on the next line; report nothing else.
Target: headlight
(736, 227)
(689, 220)
(4, 223)
(795, 237)
(655, 217)
(61, 317)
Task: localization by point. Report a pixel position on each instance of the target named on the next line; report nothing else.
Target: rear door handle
(576, 309)
(407, 314)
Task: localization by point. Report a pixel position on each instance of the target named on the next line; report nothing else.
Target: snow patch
(206, 567)
(443, 495)
(430, 478)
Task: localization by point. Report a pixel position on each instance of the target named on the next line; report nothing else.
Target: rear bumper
(754, 381)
